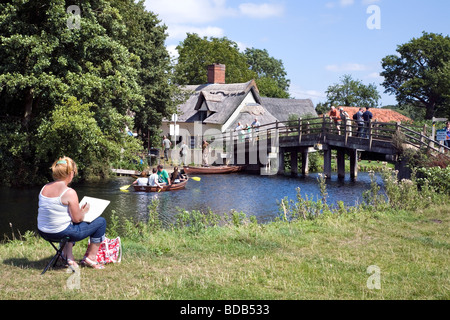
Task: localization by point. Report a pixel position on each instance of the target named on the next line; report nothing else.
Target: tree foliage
(420, 74)
(353, 93)
(196, 53)
(145, 37)
(45, 62)
(115, 62)
(271, 75)
(269, 87)
(72, 122)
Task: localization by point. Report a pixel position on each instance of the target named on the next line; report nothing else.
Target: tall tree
(271, 75)
(44, 62)
(196, 53)
(145, 37)
(353, 93)
(113, 62)
(420, 74)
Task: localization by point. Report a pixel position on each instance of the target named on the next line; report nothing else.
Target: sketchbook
(97, 206)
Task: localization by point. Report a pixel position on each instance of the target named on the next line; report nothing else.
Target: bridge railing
(326, 128)
(422, 141)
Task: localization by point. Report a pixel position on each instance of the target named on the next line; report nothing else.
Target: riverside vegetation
(312, 251)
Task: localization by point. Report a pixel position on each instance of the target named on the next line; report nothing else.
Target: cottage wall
(189, 130)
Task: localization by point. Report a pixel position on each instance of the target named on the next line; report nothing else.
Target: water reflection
(252, 194)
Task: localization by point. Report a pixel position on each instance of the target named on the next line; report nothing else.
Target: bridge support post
(281, 162)
(327, 163)
(253, 147)
(353, 163)
(241, 155)
(341, 163)
(294, 163)
(305, 163)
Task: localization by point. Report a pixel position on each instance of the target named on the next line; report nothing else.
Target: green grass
(325, 258)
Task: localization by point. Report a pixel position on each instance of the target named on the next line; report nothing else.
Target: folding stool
(62, 243)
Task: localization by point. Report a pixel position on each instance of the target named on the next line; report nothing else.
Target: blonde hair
(62, 168)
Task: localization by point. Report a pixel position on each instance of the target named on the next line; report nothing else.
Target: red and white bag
(110, 251)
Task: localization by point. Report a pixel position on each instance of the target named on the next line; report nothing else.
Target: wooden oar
(125, 188)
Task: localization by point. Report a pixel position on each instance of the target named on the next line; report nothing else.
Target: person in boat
(176, 176)
(153, 179)
(143, 179)
(148, 180)
(60, 215)
(163, 176)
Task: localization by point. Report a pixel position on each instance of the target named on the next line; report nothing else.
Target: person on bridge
(256, 124)
(240, 130)
(334, 115)
(360, 122)
(344, 117)
(367, 116)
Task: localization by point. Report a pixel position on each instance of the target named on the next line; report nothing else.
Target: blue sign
(441, 135)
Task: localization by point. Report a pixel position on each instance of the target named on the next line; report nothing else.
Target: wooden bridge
(259, 147)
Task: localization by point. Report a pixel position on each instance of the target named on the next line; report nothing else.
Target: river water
(252, 194)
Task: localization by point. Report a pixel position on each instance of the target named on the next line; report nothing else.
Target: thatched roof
(283, 108)
(222, 100)
(251, 112)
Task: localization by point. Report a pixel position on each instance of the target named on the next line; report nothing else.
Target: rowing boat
(173, 187)
(213, 169)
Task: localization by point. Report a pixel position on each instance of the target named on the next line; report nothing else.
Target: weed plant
(397, 195)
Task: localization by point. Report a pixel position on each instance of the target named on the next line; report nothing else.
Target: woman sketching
(60, 215)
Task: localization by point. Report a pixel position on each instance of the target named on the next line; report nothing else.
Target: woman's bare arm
(70, 199)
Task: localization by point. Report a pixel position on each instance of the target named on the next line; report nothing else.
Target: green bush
(73, 131)
(436, 178)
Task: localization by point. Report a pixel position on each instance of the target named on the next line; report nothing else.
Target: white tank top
(53, 216)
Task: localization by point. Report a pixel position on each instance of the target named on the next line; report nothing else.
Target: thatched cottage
(219, 107)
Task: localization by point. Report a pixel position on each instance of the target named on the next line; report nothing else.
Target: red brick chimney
(216, 73)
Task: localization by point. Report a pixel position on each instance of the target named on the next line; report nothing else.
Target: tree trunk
(28, 107)
(430, 111)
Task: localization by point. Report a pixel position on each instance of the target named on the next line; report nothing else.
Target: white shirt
(184, 149)
(142, 181)
(154, 180)
(53, 216)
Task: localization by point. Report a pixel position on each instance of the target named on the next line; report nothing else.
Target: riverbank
(324, 258)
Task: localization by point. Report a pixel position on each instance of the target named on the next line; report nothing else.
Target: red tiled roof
(380, 115)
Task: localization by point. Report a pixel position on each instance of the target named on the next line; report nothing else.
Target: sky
(318, 41)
